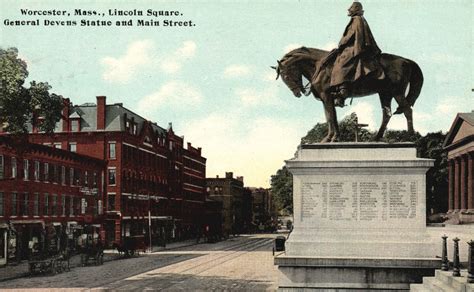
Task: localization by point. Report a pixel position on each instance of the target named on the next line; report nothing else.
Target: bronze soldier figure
(357, 56)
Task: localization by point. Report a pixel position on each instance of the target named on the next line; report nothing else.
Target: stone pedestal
(359, 218)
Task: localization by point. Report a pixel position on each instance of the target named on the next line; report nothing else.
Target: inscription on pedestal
(363, 201)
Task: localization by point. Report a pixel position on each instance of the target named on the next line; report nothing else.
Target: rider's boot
(341, 96)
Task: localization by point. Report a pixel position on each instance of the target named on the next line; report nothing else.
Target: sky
(213, 79)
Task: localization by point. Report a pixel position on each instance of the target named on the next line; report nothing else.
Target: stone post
(470, 262)
(444, 256)
(456, 270)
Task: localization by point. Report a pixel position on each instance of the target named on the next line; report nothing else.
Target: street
(242, 263)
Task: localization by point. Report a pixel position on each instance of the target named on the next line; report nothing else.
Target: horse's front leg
(386, 102)
(331, 118)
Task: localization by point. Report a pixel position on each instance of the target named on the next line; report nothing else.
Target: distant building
(459, 144)
(263, 209)
(45, 192)
(148, 170)
(229, 191)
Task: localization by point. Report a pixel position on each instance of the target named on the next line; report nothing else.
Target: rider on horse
(356, 56)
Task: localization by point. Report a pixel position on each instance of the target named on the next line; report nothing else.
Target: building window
(83, 206)
(73, 147)
(94, 181)
(14, 169)
(134, 128)
(36, 205)
(71, 206)
(54, 205)
(1, 166)
(26, 168)
(74, 125)
(46, 204)
(63, 175)
(25, 204)
(46, 172)
(112, 180)
(2, 200)
(57, 145)
(86, 178)
(37, 170)
(71, 176)
(63, 205)
(112, 150)
(111, 202)
(14, 204)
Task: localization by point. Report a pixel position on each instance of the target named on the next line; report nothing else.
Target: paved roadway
(243, 263)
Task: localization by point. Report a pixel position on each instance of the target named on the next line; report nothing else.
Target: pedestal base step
(351, 274)
(443, 281)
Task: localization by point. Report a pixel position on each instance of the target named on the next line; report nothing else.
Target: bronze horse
(399, 72)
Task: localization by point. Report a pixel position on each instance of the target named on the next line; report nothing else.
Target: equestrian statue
(356, 68)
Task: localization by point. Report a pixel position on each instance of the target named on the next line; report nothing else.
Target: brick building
(459, 144)
(44, 192)
(264, 214)
(230, 192)
(149, 174)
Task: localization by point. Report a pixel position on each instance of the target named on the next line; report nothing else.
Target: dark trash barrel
(280, 243)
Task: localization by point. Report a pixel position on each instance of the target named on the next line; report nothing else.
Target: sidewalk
(12, 271)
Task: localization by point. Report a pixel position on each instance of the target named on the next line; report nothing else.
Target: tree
(431, 146)
(18, 104)
(282, 190)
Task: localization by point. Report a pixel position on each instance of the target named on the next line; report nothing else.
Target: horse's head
(291, 75)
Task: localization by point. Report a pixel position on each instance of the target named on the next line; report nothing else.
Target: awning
(32, 221)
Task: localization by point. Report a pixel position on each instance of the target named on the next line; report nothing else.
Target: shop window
(2, 203)
(14, 167)
(112, 178)
(112, 154)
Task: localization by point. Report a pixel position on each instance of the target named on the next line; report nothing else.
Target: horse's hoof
(325, 140)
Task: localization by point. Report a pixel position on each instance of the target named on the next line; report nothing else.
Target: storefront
(3, 243)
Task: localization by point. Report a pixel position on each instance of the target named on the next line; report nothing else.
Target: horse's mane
(303, 53)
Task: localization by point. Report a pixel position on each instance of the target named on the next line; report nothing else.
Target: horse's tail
(416, 82)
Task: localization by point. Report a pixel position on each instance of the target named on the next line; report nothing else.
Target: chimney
(101, 112)
(229, 175)
(65, 113)
(240, 178)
